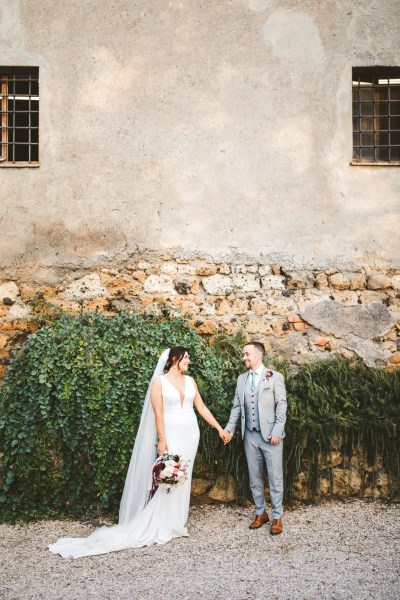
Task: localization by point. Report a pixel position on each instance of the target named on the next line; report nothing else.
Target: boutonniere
(268, 374)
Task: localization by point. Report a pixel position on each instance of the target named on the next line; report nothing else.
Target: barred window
(19, 116)
(376, 115)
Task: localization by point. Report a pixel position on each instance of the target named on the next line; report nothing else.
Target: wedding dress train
(165, 516)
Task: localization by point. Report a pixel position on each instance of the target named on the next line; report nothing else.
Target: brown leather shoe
(259, 521)
(276, 526)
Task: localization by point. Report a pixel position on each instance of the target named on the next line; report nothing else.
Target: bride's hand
(161, 447)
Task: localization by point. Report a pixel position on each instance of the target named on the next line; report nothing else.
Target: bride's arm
(206, 413)
(157, 403)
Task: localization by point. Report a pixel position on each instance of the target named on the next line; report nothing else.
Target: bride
(168, 416)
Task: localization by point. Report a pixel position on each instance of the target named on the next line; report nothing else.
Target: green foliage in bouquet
(71, 401)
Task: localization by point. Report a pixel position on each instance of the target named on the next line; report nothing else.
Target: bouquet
(168, 470)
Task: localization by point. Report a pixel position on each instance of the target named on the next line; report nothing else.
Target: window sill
(19, 165)
(374, 164)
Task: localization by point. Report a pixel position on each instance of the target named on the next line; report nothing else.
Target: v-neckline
(179, 392)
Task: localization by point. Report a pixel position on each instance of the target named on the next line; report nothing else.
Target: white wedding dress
(165, 516)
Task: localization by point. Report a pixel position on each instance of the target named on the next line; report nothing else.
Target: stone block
(224, 308)
(229, 327)
(246, 282)
(357, 281)
(273, 282)
(85, 288)
(258, 325)
(279, 327)
(17, 311)
(321, 341)
(124, 285)
(335, 458)
(217, 285)
(139, 276)
(371, 352)
(224, 489)
(168, 268)
(301, 326)
(199, 486)
(300, 486)
(363, 321)
(3, 340)
(206, 270)
(295, 319)
(68, 305)
(259, 306)
(346, 297)
(321, 281)
(240, 306)
(186, 306)
(207, 308)
(369, 297)
(224, 269)
(10, 290)
(239, 269)
(156, 284)
(252, 269)
(207, 327)
(97, 304)
(264, 270)
(281, 307)
(143, 265)
(299, 281)
(339, 281)
(396, 282)
(345, 482)
(378, 281)
(183, 285)
(146, 300)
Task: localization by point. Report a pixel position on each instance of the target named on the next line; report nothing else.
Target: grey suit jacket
(271, 405)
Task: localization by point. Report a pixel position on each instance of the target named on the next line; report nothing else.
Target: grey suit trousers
(259, 451)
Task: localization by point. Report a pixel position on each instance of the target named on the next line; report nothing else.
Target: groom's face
(252, 357)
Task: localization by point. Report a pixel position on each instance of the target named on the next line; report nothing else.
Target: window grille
(376, 115)
(19, 116)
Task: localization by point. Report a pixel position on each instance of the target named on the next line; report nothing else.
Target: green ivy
(71, 400)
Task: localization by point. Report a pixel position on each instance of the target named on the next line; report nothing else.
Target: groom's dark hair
(260, 347)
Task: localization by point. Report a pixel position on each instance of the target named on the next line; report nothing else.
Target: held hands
(225, 436)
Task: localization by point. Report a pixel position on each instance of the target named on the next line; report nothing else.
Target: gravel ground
(335, 550)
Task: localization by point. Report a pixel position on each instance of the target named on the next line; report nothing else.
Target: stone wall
(301, 315)
(340, 477)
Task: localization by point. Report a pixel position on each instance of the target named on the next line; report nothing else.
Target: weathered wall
(300, 315)
(219, 128)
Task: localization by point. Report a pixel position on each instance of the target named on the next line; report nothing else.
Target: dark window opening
(19, 115)
(376, 115)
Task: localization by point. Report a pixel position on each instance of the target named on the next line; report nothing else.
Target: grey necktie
(253, 382)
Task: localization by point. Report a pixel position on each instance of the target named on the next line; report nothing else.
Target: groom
(260, 401)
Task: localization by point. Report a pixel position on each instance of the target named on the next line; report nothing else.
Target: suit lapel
(261, 385)
(242, 385)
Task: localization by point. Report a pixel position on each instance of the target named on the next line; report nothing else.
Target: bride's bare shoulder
(193, 380)
(156, 383)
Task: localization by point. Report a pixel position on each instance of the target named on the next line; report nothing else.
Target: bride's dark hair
(175, 356)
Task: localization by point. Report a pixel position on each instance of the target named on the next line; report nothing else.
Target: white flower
(168, 471)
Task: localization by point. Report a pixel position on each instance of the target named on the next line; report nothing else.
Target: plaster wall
(213, 128)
